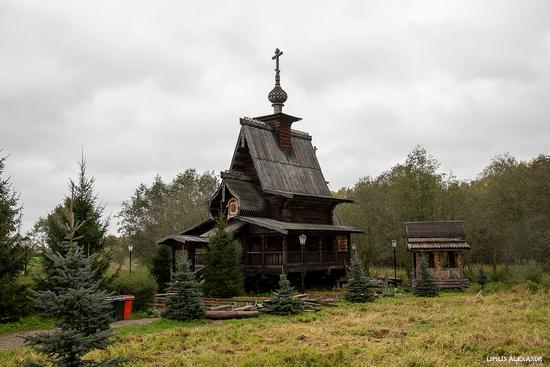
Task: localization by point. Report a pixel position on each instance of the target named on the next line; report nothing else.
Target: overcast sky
(159, 86)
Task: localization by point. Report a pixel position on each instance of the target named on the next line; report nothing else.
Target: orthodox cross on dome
(276, 58)
(277, 96)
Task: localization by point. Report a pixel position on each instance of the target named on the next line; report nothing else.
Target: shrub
(425, 286)
(160, 267)
(222, 274)
(283, 301)
(357, 289)
(529, 271)
(186, 303)
(481, 278)
(140, 284)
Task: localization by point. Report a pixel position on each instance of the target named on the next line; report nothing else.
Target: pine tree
(358, 284)
(75, 298)
(160, 268)
(12, 254)
(425, 286)
(186, 303)
(89, 212)
(282, 300)
(222, 274)
(481, 278)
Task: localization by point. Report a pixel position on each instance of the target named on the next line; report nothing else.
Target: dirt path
(14, 340)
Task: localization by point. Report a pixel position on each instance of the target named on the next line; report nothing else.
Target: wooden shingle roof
(439, 229)
(441, 235)
(281, 172)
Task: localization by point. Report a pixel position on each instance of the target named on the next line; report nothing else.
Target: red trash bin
(127, 310)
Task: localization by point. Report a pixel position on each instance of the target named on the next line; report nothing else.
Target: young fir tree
(160, 268)
(76, 300)
(282, 300)
(358, 284)
(12, 254)
(222, 274)
(93, 230)
(186, 303)
(425, 286)
(481, 278)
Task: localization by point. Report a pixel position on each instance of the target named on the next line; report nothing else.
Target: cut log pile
(243, 307)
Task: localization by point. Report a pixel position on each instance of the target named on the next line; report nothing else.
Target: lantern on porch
(302, 239)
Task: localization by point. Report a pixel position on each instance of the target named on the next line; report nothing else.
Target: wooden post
(263, 250)
(285, 251)
(173, 258)
(321, 249)
(192, 252)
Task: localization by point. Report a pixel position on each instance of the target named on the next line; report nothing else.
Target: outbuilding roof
(437, 229)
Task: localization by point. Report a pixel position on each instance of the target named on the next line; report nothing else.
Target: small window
(431, 260)
(450, 260)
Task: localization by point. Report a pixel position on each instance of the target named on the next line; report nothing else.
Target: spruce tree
(75, 298)
(186, 303)
(358, 283)
(481, 278)
(12, 253)
(282, 301)
(160, 268)
(222, 274)
(88, 211)
(425, 285)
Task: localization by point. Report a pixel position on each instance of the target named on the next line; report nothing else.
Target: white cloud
(149, 88)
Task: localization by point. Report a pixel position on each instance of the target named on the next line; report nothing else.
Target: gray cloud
(147, 89)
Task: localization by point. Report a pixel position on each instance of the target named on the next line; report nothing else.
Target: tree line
(506, 208)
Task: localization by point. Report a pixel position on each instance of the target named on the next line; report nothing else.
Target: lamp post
(394, 245)
(353, 249)
(130, 248)
(303, 239)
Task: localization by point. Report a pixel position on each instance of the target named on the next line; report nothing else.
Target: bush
(140, 284)
(13, 300)
(529, 271)
(186, 303)
(425, 285)
(357, 289)
(222, 274)
(160, 267)
(283, 301)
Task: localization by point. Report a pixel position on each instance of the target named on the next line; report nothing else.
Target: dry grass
(455, 329)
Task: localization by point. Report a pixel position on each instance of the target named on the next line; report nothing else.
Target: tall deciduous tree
(222, 274)
(12, 255)
(165, 208)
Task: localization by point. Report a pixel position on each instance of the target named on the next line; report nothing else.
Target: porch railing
(295, 257)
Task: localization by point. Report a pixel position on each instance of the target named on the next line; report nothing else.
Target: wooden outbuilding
(278, 206)
(442, 246)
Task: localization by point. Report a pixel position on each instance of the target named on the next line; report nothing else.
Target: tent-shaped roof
(283, 172)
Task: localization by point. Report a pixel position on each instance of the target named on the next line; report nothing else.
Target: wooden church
(278, 206)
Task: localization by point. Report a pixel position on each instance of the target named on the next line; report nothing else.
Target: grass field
(454, 329)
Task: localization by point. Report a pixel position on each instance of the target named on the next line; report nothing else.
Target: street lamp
(394, 245)
(353, 248)
(130, 248)
(303, 239)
